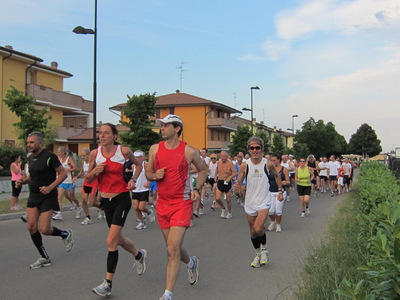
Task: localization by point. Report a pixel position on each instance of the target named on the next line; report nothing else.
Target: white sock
(190, 265)
(168, 294)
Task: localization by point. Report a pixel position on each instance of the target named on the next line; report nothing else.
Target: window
(158, 116)
(172, 110)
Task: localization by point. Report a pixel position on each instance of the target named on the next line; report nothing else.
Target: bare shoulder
(153, 148)
(189, 150)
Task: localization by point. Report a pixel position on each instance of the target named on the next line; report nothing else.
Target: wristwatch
(134, 179)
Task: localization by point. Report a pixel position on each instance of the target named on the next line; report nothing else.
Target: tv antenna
(182, 70)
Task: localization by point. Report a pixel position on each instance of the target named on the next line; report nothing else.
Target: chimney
(177, 91)
(280, 129)
(9, 47)
(54, 64)
(262, 122)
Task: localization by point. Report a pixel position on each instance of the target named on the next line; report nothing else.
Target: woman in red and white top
(107, 164)
(16, 175)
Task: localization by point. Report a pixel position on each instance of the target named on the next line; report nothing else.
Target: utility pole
(182, 70)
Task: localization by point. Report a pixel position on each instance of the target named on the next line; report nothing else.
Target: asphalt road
(223, 246)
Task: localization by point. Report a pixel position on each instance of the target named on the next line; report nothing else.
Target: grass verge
(337, 258)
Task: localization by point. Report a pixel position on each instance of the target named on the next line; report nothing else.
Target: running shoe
(151, 216)
(101, 215)
(278, 228)
(303, 215)
(241, 204)
(79, 212)
(201, 211)
(332, 194)
(69, 241)
(228, 216)
(308, 211)
(57, 216)
(141, 225)
(87, 221)
(223, 213)
(141, 263)
(103, 290)
(194, 272)
(264, 257)
(271, 226)
(73, 206)
(256, 261)
(41, 262)
(196, 213)
(164, 297)
(24, 218)
(287, 199)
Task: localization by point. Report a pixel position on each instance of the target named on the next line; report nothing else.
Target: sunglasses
(255, 148)
(302, 161)
(213, 158)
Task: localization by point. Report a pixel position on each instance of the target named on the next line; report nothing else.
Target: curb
(18, 215)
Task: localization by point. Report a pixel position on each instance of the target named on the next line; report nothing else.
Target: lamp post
(294, 116)
(82, 30)
(251, 109)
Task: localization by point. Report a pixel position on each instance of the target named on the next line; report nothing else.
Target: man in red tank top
(169, 163)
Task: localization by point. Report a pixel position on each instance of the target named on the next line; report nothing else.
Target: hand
(280, 197)
(195, 196)
(131, 185)
(18, 183)
(99, 169)
(160, 173)
(44, 190)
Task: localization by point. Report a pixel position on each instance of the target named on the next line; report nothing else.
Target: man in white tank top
(258, 197)
(286, 163)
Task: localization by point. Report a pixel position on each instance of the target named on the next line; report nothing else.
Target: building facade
(206, 124)
(70, 113)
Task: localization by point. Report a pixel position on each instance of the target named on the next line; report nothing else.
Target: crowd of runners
(169, 185)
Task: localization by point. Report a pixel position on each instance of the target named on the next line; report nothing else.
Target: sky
(336, 61)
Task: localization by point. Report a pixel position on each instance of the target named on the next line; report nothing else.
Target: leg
(85, 204)
(218, 197)
(228, 201)
(174, 239)
(138, 212)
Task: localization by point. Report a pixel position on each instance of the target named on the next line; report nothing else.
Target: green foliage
(365, 142)
(264, 136)
(30, 118)
(239, 140)
(379, 229)
(6, 152)
(300, 150)
(138, 110)
(337, 258)
(277, 144)
(320, 138)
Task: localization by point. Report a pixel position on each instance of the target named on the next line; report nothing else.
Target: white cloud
(274, 49)
(251, 57)
(338, 16)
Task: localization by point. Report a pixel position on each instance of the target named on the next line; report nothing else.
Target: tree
(31, 119)
(365, 142)
(300, 150)
(138, 110)
(239, 140)
(264, 136)
(320, 138)
(277, 144)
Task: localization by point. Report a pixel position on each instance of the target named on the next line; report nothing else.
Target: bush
(6, 152)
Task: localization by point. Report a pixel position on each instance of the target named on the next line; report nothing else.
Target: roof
(18, 53)
(52, 69)
(183, 99)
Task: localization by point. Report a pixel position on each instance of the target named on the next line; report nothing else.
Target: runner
(225, 173)
(169, 163)
(107, 163)
(304, 175)
(42, 201)
(258, 196)
(140, 195)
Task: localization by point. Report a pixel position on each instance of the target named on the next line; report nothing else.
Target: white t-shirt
(333, 168)
(347, 168)
(322, 165)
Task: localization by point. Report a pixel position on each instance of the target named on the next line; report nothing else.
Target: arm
(272, 170)
(80, 174)
(152, 174)
(127, 152)
(194, 157)
(311, 173)
(62, 175)
(94, 170)
(15, 168)
(242, 173)
(72, 165)
(286, 182)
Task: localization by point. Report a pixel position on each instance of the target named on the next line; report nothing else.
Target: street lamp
(82, 30)
(294, 116)
(251, 109)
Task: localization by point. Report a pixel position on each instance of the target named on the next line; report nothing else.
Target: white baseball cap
(170, 119)
(138, 153)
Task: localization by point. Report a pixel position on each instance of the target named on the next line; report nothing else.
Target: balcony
(68, 103)
(221, 124)
(218, 145)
